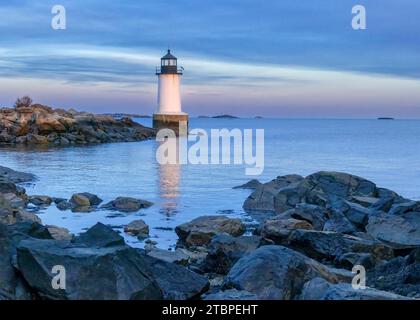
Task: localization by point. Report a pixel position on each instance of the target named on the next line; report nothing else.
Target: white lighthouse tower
(169, 114)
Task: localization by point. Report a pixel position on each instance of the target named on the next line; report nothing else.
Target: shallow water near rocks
(386, 152)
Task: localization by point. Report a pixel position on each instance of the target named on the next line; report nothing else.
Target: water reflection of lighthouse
(169, 182)
(169, 179)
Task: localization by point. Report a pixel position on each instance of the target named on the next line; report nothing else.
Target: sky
(271, 58)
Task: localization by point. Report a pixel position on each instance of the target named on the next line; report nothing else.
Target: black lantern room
(169, 65)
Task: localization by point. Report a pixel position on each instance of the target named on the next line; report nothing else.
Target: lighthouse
(169, 114)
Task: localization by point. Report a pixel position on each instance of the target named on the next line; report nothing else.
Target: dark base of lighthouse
(176, 122)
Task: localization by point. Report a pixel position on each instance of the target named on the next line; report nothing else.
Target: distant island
(386, 118)
(225, 116)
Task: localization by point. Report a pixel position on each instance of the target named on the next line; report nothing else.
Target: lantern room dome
(169, 55)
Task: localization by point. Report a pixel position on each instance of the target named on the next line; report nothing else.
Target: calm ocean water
(387, 152)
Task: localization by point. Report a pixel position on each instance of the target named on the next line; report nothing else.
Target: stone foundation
(171, 121)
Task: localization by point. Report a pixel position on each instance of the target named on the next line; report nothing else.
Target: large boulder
(330, 246)
(12, 286)
(177, 282)
(357, 214)
(199, 231)
(225, 250)
(315, 215)
(398, 231)
(275, 273)
(320, 289)
(127, 204)
(100, 236)
(177, 256)
(338, 222)
(341, 184)
(99, 265)
(9, 280)
(262, 199)
(404, 207)
(25, 230)
(324, 189)
(111, 273)
(289, 197)
(278, 229)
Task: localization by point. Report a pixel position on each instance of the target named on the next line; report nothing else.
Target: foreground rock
(41, 125)
(275, 273)
(225, 250)
(278, 229)
(12, 286)
(199, 231)
(320, 289)
(331, 246)
(315, 215)
(116, 273)
(177, 256)
(100, 266)
(398, 231)
(99, 236)
(176, 282)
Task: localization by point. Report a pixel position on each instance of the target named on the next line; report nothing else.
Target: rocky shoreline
(312, 231)
(37, 124)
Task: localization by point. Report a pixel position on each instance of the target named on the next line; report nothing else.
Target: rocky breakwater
(41, 125)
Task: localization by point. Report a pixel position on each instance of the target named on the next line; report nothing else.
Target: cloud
(105, 79)
(285, 55)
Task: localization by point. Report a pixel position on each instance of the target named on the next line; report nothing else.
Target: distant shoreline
(129, 115)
